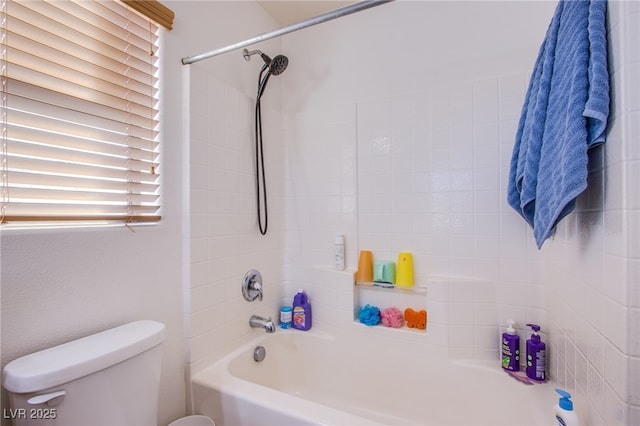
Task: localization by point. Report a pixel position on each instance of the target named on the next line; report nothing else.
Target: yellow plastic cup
(404, 270)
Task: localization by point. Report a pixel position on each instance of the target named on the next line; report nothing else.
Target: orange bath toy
(415, 319)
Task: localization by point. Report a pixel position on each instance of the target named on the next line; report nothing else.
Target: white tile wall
(223, 239)
(593, 324)
(459, 131)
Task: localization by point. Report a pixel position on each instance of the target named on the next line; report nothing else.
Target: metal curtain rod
(343, 11)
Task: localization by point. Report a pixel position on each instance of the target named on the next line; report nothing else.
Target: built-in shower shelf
(392, 288)
(379, 328)
(366, 293)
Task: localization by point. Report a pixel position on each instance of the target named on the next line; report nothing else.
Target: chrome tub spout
(260, 322)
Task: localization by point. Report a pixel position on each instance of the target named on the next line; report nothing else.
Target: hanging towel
(564, 114)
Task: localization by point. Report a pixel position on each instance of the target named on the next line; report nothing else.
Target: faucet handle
(252, 286)
(257, 286)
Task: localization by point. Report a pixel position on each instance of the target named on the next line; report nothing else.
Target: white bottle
(565, 416)
(339, 252)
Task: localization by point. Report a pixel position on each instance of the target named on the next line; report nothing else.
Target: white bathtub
(314, 379)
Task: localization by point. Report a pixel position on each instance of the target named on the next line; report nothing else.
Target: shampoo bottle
(510, 348)
(536, 356)
(301, 311)
(565, 416)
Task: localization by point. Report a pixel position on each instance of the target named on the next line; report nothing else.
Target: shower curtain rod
(343, 11)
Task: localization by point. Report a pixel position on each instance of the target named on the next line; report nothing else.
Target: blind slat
(38, 138)
(46, 82)
(71, 156)
(30, 209)
(46, 46)
(67, 14)
(95, 218)
(57, 75)
(37, 165)
(118, 50)
(56, 35)
(40, 180)
(113, 131)
(63, 108)
(136, 25)
(56, 196)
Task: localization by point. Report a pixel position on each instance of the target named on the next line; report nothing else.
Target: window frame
(34, 220)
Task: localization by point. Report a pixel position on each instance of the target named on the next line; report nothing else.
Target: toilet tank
(107, 379)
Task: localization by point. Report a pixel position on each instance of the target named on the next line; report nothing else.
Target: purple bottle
(510, 348)
(536, 356)
(301, 311)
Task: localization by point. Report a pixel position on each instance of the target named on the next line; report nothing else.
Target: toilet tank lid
(69, 361)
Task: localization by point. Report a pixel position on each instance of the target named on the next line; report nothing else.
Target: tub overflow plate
(259, 353)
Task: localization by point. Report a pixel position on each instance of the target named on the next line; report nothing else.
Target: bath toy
(415, 319)
(369, 315)
(391, 317)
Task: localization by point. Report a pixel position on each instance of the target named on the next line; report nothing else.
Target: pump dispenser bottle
(510, 348)
(536, 356)
(565, 416)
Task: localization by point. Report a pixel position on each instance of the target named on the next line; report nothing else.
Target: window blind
(80, 112)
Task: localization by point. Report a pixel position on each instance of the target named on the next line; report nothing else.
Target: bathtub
(317, 379)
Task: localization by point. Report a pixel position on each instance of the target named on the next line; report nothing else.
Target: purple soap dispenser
(536, 356)
(510, 348)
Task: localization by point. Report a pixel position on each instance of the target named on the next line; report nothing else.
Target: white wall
(592, 269)
(59, 285)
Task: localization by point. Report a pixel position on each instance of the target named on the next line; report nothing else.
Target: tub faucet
(260, 322)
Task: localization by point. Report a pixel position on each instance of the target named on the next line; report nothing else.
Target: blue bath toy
(369, 315)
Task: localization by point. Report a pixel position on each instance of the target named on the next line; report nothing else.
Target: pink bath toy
(391, 317)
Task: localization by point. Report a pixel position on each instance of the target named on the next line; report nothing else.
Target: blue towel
(565, 113)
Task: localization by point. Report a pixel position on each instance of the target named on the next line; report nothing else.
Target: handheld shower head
(278, 64)
(275, 66)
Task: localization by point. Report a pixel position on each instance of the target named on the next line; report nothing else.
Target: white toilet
(106, 379)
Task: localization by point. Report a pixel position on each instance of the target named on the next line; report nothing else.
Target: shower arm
(247, 54)
(343, 11)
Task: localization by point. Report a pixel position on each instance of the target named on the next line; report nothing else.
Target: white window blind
(79, 112)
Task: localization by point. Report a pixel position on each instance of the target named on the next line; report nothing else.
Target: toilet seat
(195, 420)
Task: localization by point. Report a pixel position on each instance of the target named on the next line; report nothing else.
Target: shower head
(276, 65)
